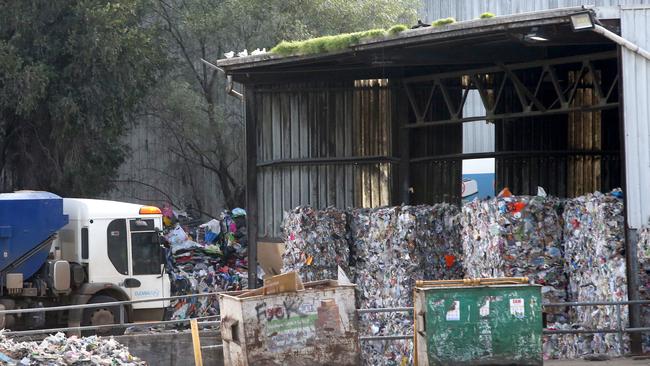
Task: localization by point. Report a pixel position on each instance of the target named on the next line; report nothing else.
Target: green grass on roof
(487, 15)
(341, 41)
(397, 28)
(443, 21)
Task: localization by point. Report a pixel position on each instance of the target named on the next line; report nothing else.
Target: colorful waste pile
(205, 258)
(391, 248)
(594, 240)
(58, 350)
(643, 253)
(516, 236)
(316, 243)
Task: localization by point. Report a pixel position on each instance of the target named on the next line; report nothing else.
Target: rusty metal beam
(501, 116)
(523, 153)
(251, 184)
(341, 160)
(515, 66)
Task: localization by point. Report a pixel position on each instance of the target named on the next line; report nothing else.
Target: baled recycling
(516, 236)
(574, 248)
(316, 243)
(205, 258)
(594, 242)
(389, 248)
(59, 350)
(643, 253)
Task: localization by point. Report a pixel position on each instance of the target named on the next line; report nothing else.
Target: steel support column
(251, 184)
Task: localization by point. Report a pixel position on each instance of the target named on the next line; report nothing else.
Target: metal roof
(461, 31)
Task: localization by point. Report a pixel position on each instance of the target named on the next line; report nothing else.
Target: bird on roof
(230, 54)
(258, 51)
(243, 53)
(420, 25)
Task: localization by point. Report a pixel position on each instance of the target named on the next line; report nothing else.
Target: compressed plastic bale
(393, 247)
(643, 254)
(316, 243)
(594, 234)
(516, 236)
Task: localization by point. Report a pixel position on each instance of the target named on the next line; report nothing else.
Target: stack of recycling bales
(594, 235)
(205, 258)
(384, 251)
(516, 236)
(316, 243)
(643, 253)
(392, 248)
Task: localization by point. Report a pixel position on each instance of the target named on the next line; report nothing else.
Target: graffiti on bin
(294, 324)
(289, 307)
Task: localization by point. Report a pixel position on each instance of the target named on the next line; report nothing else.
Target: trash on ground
(58, 349)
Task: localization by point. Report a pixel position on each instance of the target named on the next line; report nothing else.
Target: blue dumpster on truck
(28, 224)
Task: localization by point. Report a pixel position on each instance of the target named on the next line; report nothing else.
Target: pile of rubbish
(58, 350)
(516, 236)
(594, 240)
(383, 250)
(205, 258)
(316, 243)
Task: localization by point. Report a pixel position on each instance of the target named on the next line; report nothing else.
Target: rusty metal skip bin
(314, 325)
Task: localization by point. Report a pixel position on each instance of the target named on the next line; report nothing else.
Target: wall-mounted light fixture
(582, 21)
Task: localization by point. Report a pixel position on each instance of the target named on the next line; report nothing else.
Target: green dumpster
(478, 324)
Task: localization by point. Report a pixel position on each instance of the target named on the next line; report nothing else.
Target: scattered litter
(58, 350)
(316, 243)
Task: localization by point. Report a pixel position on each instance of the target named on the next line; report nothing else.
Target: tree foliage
(72, 73)
(204, 29)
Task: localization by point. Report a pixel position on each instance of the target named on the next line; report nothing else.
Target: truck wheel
(102, 316)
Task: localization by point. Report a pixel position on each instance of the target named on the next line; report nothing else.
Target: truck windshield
(145, 250)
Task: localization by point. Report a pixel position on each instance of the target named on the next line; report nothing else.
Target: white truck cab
(118, 245)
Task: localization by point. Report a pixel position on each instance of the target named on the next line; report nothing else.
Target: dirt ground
(612, 362)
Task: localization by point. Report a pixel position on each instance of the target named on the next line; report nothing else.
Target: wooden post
(196, 343)
(403, 145)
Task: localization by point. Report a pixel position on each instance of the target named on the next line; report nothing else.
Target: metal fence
(618, 305)
(204, 321)
(209, 320)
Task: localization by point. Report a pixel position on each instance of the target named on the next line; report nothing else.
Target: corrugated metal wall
(154, 173)
(321, 121)
(471, 9)
(478, 137)
(635, 23)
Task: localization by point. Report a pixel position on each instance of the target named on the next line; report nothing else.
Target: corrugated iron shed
(382, 122)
